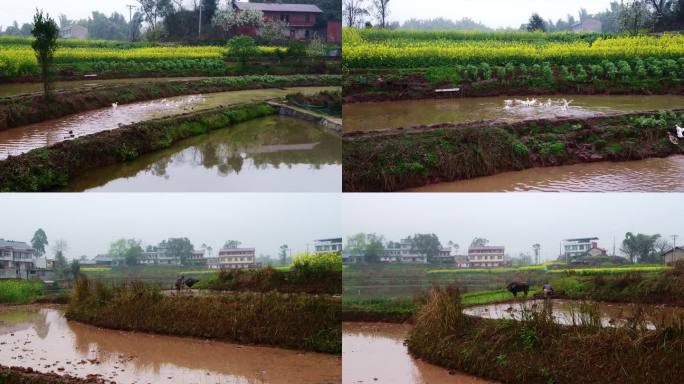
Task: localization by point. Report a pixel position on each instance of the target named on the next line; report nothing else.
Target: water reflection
(409, 113)
(71, 348)
(269, 154)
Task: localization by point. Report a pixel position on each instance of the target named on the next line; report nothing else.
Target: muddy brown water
(396, 114)
(18, 140)
(375, 353)
(13, 89)
(45, 341)
(650, 175)
(569, 312)
(274, 153)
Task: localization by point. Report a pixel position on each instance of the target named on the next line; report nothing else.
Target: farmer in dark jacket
(179, 283)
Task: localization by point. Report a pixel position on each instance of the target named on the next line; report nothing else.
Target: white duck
(680, 132)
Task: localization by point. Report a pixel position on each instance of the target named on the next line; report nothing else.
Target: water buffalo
(516, 287)
(189, 282)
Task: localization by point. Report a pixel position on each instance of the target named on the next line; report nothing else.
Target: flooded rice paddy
(375, 353)
(396, 114)
(274, 153)
(18, 140)
(650, 175)
(569, 312)
(44, 340)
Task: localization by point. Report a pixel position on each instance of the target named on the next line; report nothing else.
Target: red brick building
(301, 18)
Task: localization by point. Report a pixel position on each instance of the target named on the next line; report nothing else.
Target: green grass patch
(20, 291)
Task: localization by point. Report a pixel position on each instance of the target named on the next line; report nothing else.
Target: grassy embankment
(290, 308)
(297, 321)
(537, 350)
(22, 110)
(390, 65)
(396, 160)
(320, 274)
(51, 168)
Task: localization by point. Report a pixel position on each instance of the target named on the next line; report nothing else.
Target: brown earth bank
(28, 109)
(19, 375)
(537, 350)
(296, 321)
(52, 167)
(387, 86)
(397, 159)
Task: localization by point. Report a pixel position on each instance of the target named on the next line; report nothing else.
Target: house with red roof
(301, 19)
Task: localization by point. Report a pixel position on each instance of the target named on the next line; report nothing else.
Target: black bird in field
(189, 282)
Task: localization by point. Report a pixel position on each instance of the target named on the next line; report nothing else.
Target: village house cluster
(584, 250)
(19, 260)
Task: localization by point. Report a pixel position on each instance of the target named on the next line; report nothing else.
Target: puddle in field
(375, 353)
(395, 114)
(45, 341)
(18, 140)
(570, 312)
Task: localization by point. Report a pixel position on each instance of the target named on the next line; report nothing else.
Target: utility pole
(199, 34)
(674, 246)
(130, 21)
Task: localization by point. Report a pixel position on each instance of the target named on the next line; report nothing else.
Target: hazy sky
(90, 222)
(22, 11)
(515, 220)
(493, 13)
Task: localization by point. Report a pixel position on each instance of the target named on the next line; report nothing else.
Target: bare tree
(381, 11)
(354, 12)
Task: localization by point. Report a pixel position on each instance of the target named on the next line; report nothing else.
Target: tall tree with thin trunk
(39, 241)
(354, 12)
(381, 11)
(45, 32)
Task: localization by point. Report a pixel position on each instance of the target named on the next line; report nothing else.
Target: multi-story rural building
(19, 260)
(300, 18)
(577, 247)
(158, 255)
(233, 258)
(486, 256)
(403, 252)
(328, 245)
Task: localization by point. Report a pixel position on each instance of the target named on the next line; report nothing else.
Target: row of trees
(631, 16)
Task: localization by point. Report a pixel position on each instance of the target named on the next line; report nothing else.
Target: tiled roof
(14, 244)
(275, 7)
